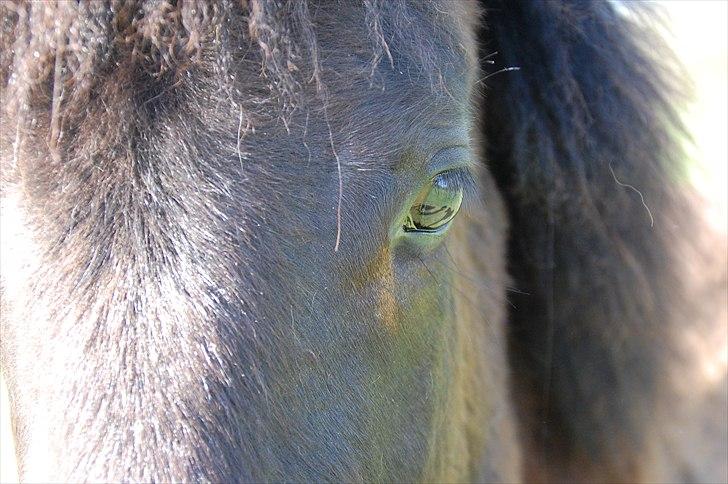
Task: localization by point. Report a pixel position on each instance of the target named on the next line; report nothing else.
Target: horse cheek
(479, 408)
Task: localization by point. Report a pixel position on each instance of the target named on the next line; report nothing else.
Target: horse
(377, 240)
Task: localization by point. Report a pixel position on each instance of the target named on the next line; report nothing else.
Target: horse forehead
(416, 57)
(428, 33)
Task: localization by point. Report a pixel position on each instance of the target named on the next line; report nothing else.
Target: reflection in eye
(436, 205)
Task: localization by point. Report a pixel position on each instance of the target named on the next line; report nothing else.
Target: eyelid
(451, 158)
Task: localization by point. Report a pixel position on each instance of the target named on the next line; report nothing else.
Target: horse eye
(436, 205)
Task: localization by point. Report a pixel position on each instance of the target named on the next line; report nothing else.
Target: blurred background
(698, 33)
(697, 30)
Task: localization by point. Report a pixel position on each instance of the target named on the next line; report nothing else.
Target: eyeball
(436, 205)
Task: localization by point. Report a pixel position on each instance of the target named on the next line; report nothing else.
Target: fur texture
(204, 276)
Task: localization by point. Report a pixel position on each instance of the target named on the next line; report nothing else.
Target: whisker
(499, 71)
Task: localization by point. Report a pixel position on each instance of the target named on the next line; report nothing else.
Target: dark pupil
(433, 216)
(434, 208)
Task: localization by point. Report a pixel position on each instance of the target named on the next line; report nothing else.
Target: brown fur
(203, 277)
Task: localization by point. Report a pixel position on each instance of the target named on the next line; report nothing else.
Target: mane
(53, 55)
(57, 52)
(584, 143)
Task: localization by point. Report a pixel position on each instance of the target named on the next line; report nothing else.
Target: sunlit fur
(197, 273)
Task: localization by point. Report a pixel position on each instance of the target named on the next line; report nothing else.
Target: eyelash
(464, 179)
